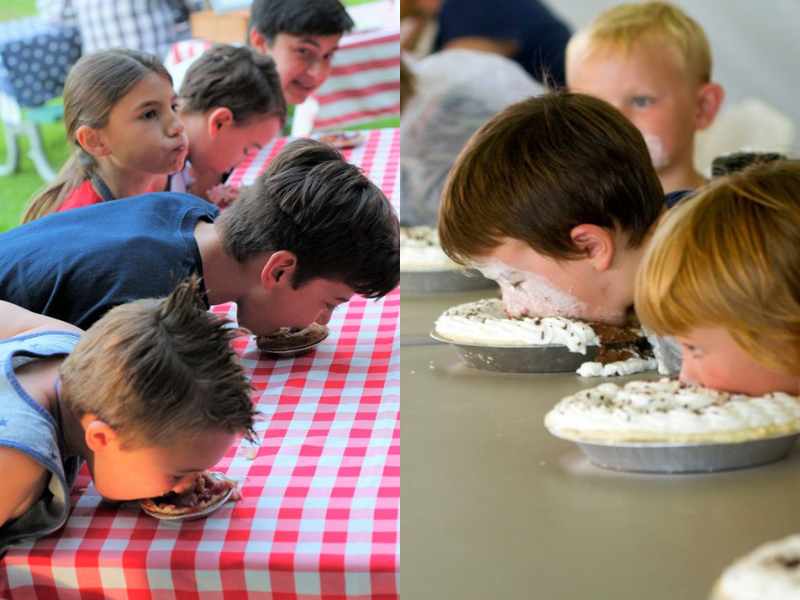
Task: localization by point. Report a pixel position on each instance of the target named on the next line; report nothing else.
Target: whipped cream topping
(420, 250)
(629, 366)
(529, 294)
(668, 410)
(485, 322)
(770, 572)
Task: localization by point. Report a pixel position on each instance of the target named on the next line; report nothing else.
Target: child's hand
(223, 195)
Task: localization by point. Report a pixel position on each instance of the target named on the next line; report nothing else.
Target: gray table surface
(419, 313)
(494, 507)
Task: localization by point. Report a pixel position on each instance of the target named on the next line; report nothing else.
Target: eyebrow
(154, 102)
(340, 299)
(312, 41)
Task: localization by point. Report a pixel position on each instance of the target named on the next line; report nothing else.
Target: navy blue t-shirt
(78, 264)
(674, 198)
(541, 37)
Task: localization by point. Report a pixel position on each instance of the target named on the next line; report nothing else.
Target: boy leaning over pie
(152, 391)
(722, 275)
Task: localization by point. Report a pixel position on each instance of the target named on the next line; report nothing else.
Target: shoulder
(83, 195)
(24, 480)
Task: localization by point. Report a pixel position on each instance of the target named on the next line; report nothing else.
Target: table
(499, 508)
(35, 57)
(364, 83)
(319, 518)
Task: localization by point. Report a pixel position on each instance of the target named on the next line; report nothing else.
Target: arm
(23, 482)
(15, 320)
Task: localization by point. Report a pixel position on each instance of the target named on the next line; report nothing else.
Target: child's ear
(97, 434)
(258, 41)
(279, 269)
(709, 99)
(595, 243)
(219, 118)
(92, 141)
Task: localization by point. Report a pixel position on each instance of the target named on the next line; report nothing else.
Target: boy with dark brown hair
(150, 396)
(555, 198)
(312, 231)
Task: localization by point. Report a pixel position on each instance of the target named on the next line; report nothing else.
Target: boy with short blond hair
(722, 274)
(150, 396)
(555, 198)
(653, 63)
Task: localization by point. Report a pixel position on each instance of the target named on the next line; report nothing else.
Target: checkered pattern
(319, 518)
(146, 25)
(364, 83)
(378, 156)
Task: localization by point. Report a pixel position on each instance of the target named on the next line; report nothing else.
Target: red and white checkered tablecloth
(378, 157)
(364, 83)
(319, 517)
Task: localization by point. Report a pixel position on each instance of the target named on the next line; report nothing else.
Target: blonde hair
(729, 258)
(158, 371)
(625, 25)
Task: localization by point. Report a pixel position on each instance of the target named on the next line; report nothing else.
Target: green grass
(14, 9)
(16, 189)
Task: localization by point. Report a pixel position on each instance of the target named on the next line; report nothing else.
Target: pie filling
(206, 491)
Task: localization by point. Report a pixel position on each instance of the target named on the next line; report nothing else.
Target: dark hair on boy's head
(309, 17)
(738, 161)
(93, 87)
(159, 370)
(542, 167)
(324, 210)
(236, 77)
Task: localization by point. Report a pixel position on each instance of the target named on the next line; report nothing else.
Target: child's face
(236, 142)
(651, 86)
(144, 472)
(547, 287)
(713, 359)
(144, 133)
(314, 301)
(303, 62)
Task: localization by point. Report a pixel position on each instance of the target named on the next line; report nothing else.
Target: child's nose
(184, 484)
(175, 126)
(316, 69)
(687, 374)
(323, 317)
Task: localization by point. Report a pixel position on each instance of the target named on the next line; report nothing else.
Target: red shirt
(83, 195)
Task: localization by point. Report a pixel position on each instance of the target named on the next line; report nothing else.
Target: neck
(203, 181)
(71, 429)
(680, 177)
(226, 279)
(124, 183)
(627, 264)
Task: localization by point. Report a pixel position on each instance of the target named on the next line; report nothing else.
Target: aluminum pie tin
(640, 457)
(443, 281)
(199, 514)
(549, 358)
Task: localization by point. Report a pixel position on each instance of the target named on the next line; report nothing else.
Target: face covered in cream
(528, 294)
